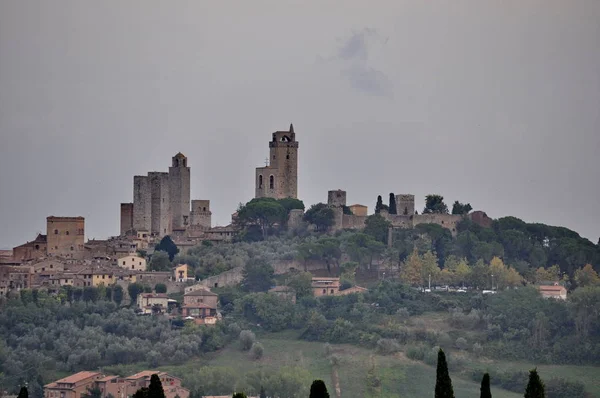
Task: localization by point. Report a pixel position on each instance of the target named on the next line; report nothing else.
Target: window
(123, 262)
(37, 247)
(72, 248)
(271, 182)
(287, 156)
(331, 291)
(132, 266)
(204, 208)
(273, 157)
(67, 233)
(140, 263)
(56, 232)
(324, 291)
(260, 182)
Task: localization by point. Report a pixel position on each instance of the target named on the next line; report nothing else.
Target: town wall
(142, 204)
(481, 218)
(353, 222)
(65, 236)
(448, 221)
(160, 203)
(126, 218)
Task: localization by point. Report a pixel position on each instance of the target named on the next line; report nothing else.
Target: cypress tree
(23, 393)
(393, 209)
(379, 204)
(485, 387)
(443, 383)
(155, 389)
(318, 390)
(535, 386)
(263, 394)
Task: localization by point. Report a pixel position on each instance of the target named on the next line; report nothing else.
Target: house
(284, 292)
(200, 305)
(132, 262)
(73, 386)
(553, 291)
(15, 278)
(76, 385)
(149, 301)
(325, 286)
(171, 384)
(180, 273)
(96, 276)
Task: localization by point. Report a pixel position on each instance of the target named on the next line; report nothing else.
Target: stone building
(279, 177)
(65, 236)
(161, 203)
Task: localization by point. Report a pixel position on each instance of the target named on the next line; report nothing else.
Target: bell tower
(279, 178)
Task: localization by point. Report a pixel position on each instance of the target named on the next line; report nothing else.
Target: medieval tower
(161, 203)
(279, 178)
(179, 181)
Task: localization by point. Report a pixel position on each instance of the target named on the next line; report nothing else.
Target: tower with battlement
(279, 177)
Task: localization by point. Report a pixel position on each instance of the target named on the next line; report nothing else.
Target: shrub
(444, 340)
(327, 349)
(403, 314)
(416, 353)
(247, 338)
(461, 343)
(477, 349)
(257, 350)
(387, 346)
(234, 330)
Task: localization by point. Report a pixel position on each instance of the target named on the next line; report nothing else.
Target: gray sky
(492, 102)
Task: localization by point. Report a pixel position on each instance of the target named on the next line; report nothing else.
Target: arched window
(260, 182)
(271, 182)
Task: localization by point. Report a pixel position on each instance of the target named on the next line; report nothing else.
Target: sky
(495, 103)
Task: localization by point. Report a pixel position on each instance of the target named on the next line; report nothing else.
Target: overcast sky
(496, 103)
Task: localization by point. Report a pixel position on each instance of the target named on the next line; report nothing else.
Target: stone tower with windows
(279, 177)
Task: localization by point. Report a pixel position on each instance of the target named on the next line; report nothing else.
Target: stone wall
(295, 218)
(353, 222)
(201, 216)
(445, 220)
(142, 210)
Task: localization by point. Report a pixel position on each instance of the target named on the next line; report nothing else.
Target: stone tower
(160, 203)
(179, 182)
(405, 204)
(279, 178)
(142, 215)
(65, 236)
(336, 198)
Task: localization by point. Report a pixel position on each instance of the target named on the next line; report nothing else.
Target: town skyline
(376, 111)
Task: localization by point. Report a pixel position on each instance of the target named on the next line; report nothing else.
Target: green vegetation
(443, 383)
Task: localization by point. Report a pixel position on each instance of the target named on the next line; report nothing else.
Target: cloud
(353, 57)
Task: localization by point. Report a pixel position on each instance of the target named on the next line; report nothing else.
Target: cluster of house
(199, 306)
(80, 384)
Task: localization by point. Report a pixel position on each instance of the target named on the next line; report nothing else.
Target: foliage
(256, 351)
(257, 276)
(377, 227)
(318, 390)
(535, 386)
(239, 395)
(247, 339)
(23, 393)
(134, 289)
(443, 383)
(485, 391)
(167, 245)
(392, 204)
(155, 389)
(302, 284)
(461, 208)
(435, 204)
(263, 212)
(160, 288)
(320, 215)
(160, 261)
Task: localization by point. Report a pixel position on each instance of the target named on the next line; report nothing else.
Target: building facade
(65, 236)
(279, 177)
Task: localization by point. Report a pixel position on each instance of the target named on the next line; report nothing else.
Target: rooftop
(200, 292)
(77, 377)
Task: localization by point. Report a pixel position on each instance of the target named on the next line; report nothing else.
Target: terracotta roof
(143, 374)
(551, 288)
(200, 292)
(199, 305)
(357, 205)
(77, 377)
(108, 378)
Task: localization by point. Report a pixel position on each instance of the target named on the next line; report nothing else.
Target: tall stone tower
(142, 211)
(405, 204)
(279, 178)
(179, 181)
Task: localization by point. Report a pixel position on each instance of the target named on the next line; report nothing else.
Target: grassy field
(399, 375)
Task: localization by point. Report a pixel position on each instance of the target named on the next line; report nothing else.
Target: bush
(257, 350)
(327, 349)
(461, 343)
(416, 353)
(247, 338)
(477, 349)
(234, 330)
(387, 346)
(403, 314)
(444, 340)
(160, 288)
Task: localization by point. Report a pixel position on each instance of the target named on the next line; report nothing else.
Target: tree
(262, 394)
(434, 204)
(302, 284)
(256, 351)
(91, 393)
(257, 276)
(167, 245)
(239, 395)
(263, 212)
(392, 205)
(320, 215)
(160, 261)
(587, 276)
(460, 208)
(155, 389)
(318, 390)
(443, 383)
(412, 269)
(535, 386)
(160, 288)
(485, 391)
(247, 339)
(141, 393)
(23, 393)
(134, 289)
(377, 227)
(379, 204)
